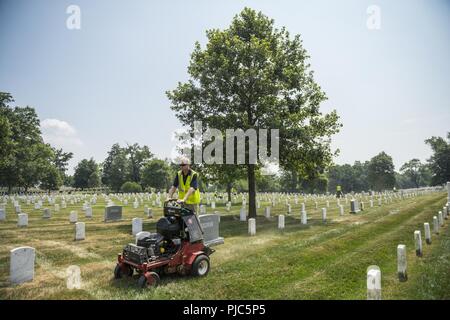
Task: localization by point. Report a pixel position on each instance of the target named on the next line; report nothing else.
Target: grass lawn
(314, 261)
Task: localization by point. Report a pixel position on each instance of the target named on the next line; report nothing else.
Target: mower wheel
(118, 272)
(143, 282)
(200, 267)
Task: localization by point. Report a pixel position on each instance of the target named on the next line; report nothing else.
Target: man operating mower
(186, 181)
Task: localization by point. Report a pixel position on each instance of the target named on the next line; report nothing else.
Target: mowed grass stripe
(234, 263)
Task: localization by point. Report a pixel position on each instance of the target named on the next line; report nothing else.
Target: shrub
(130, 187)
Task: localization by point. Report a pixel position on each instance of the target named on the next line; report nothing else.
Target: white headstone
(73, 274)
(21, 267)
(267, 212)
(80, 233)
(46, 213)
(243, 215)
(426, 227)
(88, 212)
(22, 220)
(304, 217)
(252, 226)
(341, 209)
(373, 283)
(73, 217)
(281, 221)
(136, 226)
(324, 214)
(435, 225)
(213, 205)
(418, 243)
(401, 262)
(440, 219)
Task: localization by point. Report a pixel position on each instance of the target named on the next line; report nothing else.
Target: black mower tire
(201, 266)
(143, 283)
(118, 273)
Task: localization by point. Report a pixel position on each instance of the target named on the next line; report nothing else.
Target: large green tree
(253, 76)
(349, 177)
(137, 157)
(157, 174)
(61, 161)
(115, 168)
(85, 172)
(381, 174)
(439, 162)
(25, 160)
(124, 164)
(416, 172)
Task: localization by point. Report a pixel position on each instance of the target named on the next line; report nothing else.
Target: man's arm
(171, 191)
(173, 187)
(186, 196)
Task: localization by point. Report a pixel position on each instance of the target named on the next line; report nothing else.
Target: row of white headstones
(374, 272)
(22, 259)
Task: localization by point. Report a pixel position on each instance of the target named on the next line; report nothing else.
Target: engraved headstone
(243, 215)
(22, 220)
(281, 221)
(418, 243)
(373, 283)
(113, 213)
(136, 226)
(80, 231)
(426, 227)
(267, 212)
(46, 214)
(210, 226)
(21, 265)
(401, 262)
(252, 226)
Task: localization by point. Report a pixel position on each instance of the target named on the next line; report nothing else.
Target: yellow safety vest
(183, 188)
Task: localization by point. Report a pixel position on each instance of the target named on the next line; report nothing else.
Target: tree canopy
(254, 76)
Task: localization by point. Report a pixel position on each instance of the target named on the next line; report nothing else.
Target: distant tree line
(126, 169)
(27, 162)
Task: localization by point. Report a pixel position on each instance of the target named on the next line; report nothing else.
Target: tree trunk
(229, 191)
(251, 191)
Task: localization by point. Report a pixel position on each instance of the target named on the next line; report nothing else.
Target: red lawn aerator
(176, 247)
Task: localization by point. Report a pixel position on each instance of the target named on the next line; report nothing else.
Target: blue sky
(106, 82)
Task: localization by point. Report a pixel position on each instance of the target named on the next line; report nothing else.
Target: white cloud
(60, 134)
